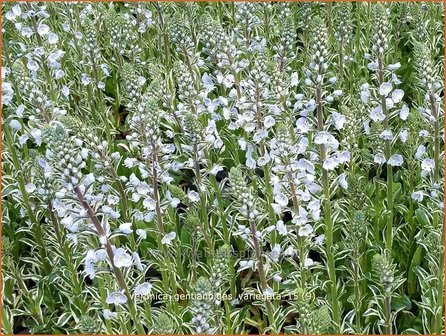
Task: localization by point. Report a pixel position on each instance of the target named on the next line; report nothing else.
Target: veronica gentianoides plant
(384, 102)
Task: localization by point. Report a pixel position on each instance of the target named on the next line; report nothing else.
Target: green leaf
(64, 318)
(412, 277)
(401, 302)
(422, 217)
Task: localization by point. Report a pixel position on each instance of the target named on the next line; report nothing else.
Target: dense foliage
(225, 168)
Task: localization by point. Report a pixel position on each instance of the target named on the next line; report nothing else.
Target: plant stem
(35, 225)
(108, 248)
(296, 205)
(226, 233)
(262, 275)
(388, 314)
(160, 223)
(203, 206)
(438, 316)
(389, 227)
(328, 220)
(357, 289)
(77, 285)
(49, 80)
(266, 169)
(377, 231)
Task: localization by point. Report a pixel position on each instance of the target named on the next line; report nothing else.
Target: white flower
(173, 201)
(327, 139)
(193, 196)
(294, 79)
(386, 135)
(281, 199)
(319, 240)
(365, 95)
(275, 253)
(342, 181)
(116, 298)
(7, 93)
(339, 120)
(167, 239)
(125, 228)
(268, 292)
(377, 114)
(43, 29)
(17, 10)
(109, 211)
(53, 38)
(122, 258)
(143, 289)
(91, 256)
(108, 314)
(228, 81)
(19, 111)
(281, 228)
(245, 264)
(141, 233)
(379, 158)
(397, 95)
(389, 103)
(423, 133)
(372, 66)
(421, 150)
(85, 80)
(65, 91)
(10, 16)
(149, 203)
(303, 125)
(300, 218)
(69, 223)
(23, 139)
(207, 81)
(15, 124)
(404, 112)
(137, 261)
(331, 163)
(214, 171)
(277, 278)
(242, 143)
(250, 162)
(101, 254)
(269, 122)
(88, 180)
(315, 209)
(130, 162)
(343, 156)
(26, 31)
(289, 252)
(32, 65)
(308, 262)
(395, 79)
(90, 270)
(337, 93)
(396, 160)
(30, 187)
(404, 135)
(385, 88)
(428, 165)
(305, 231)
(417, 196)
(393, 67)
